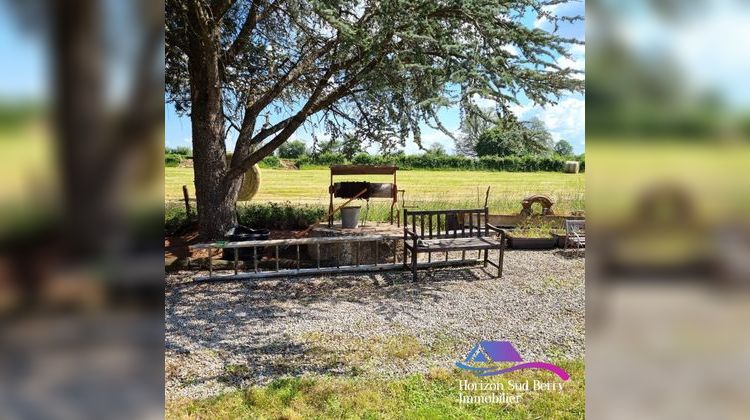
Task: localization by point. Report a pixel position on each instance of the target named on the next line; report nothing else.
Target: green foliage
(324, 159)
(582, 160)
(279, 215)
(172, 160)
(537, 228)
(181, 150)
(16, 115)
(351, 146)
(525, 163)
(261, 215)
(292, 149)
(472, 127)
(436, 149)
(515, 139)
(175, 218)
(499, 142)
(367, 159)
(270, 162)
(563, 148)
(331, 146)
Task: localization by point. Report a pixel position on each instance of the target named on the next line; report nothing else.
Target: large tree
(515, 139)
(376, 69)
(472, 127)
(563, 148)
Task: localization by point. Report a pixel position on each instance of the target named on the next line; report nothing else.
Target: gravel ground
(230, 334)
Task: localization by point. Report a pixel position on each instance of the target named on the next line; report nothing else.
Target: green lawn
(426, 189)
(421, 396)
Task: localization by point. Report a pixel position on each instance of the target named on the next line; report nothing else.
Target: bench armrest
(407, 232)
(500, 232)
(495, 228)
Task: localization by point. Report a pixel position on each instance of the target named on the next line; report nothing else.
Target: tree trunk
(215, 196)
(79, 116)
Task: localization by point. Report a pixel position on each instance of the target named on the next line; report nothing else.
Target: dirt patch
(186, 163)
(288, 164)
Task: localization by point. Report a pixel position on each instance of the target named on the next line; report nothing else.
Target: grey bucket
(349, 217)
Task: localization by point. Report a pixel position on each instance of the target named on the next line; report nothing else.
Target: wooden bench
(575, 233)
(431, 231)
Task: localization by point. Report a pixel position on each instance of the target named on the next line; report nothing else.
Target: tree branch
(247, 28)
(290, 125)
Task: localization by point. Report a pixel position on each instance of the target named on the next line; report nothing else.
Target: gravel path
(224, 335)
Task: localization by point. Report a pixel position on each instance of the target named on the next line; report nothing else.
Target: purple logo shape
(487, 351)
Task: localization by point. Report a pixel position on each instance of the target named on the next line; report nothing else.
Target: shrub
(303, 161)
(279, 215)
(270, 162)
(172, 160)
(292, 149)
(262, 215)
(175, 218)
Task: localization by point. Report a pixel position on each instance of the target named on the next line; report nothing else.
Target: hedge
(324, 159)
(528, 163)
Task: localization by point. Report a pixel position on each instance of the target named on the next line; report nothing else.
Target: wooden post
(330, 203)
(186, 197)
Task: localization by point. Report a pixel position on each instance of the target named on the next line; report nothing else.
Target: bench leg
(404, 254)
(414, 265)
(486, 256)
(500, 262)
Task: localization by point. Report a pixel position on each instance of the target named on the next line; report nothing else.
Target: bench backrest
(460, 223)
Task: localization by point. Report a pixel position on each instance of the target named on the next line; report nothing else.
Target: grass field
(425, 189)
(430, 396)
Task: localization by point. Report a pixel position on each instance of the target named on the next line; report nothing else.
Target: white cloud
(566, 120)
(483, 102)
(521, 111)
(552, 8)
(430, 137)
(576, 61)
(511, 49)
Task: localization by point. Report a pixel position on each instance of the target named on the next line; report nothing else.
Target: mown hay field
(424, 189)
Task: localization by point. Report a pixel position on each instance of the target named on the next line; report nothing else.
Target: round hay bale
(571, 167)
(250, 184)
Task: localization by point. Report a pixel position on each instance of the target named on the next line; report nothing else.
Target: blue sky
(23, 70)
(564, 121)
